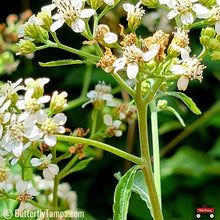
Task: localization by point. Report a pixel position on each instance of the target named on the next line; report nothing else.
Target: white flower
(51, 126)
(65, 193)
(132, 55)
(26, 191)
(101, 93)
(15, 137)
(215, 15)
(113, 126)
(49, 170)
(185, 9)
(4, 116)
(190, 68)
(71, 12)
(4, 170)
(7, 90)
(109, 2)
(30, 104)
(133, 11)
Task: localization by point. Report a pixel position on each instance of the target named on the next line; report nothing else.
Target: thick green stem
(103, 146)
(156, 149)
(144, 145)
(145, 154)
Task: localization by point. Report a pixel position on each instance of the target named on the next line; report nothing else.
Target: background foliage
(190, 169)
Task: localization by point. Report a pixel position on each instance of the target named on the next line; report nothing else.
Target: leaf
(60, 63)
(139, 187)
(81, 165)
(189, 162)
(187, 100)
(176, 114)
(122, 194)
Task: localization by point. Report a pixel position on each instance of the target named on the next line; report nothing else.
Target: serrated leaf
(139, 187)
(187, 100)
(60, 63)
(176, 114)
(122, 194)
(81, 165)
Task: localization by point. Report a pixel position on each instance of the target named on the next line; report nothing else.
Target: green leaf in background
(81, 165)
(188, 101)
(60, 63)
(139, 187)
(122, 194)
(189, 162)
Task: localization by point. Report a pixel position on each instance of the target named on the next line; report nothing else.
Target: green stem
(104, 11)
(203, 53)
(144, 145)
(55, 191)
(94, 121)
(86, 80)
(63, 172)
(75, 103)
(156, 149)
(103, 146)
(71, 50)
(123, 84)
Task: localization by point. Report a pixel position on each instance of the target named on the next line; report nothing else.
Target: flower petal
(78, 26)
(56, 25)
(108, 120)
(128, 7)
(187, 18)
(119, 64)
(132, 70)
(35, 162)
(50, 140)
(53, 169)
(60, 118)
(48, 175)
(201, 11)
(87, 13)
(182, 83)
(217, 27)
(172, 14)
(110, 38)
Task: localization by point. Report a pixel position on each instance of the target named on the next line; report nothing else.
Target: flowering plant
(33, 125)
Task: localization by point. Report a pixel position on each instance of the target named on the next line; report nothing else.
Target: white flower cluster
(23, 120)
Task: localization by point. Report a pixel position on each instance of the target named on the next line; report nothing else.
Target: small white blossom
(18, 137)
(51, 126)
(72, 13)
(132, 55)
(101, 93)
(215, 15)
(7, 90)
(4, 115)
(58, 101)
(185, 9)
(26, 191)
(189, 69)
(49, 169)
(113, 126)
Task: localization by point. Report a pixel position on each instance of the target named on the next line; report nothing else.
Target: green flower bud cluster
(26, 47)
(211, 41)
(36, 32)
(162, 104)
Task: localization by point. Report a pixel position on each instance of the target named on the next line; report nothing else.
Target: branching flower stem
(103, 146)
(142, 106)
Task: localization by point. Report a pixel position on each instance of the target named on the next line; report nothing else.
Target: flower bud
(215, 55)
(150, 3)
(208, 4)
(58, 102)
(26, 47)
(36, 32)
(46, 20)
(210, 32)
(95, 4)
(162, 104)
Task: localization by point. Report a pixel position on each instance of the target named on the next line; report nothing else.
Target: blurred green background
(190, 165)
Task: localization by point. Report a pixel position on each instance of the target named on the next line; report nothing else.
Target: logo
(7, 213)
(205, 211)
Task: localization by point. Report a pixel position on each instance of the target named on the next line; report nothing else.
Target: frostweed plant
(32, 124)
